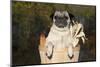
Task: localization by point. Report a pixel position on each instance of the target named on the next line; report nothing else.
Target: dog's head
(62, 18)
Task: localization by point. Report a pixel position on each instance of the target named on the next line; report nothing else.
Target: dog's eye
(66, 17)
(55, 17)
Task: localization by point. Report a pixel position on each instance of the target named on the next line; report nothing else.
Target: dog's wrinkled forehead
(61, 13)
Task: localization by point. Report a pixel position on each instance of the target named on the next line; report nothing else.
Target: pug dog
(65, 33)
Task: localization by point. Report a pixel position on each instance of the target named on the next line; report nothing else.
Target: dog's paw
(70, 52)
(49, 57)
(71, 56)
(49, 50)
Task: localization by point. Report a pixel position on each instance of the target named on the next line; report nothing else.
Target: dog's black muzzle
(61, 22)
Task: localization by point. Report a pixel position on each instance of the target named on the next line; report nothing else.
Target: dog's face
(61, 19)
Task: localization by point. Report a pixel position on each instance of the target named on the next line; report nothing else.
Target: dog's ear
(71, 16)
(51, 16)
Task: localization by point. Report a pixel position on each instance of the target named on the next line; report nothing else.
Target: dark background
(29, 19)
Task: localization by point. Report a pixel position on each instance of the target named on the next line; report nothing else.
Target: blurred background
(30, 19)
